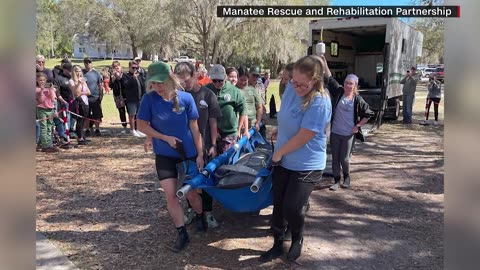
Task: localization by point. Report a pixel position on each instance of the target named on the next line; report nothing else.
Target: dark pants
(123, 116)
(341, 152)
(435, 101)
(83, 110)
(291, 190)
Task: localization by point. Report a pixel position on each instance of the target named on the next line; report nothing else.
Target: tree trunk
(214, 50)
(205, 44)
(274, 68)
(133, 43)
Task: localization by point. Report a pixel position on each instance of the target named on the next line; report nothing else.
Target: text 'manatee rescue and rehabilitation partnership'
(339, 11)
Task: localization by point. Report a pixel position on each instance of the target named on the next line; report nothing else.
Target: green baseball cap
(158, 72)
(254, 70)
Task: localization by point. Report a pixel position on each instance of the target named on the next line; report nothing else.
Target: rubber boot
(336, 185)
(288, 234)
(277, 249)
(346, 181)
(296, 247)
(182, 240)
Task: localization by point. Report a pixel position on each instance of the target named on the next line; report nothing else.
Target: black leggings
(435, 101)
(291, 190)
(83, 110)
(123, 117)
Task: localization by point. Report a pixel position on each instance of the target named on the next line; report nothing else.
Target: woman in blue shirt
(349, 113)
(169, 116)
(300, 155)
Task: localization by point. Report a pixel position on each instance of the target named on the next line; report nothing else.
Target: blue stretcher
(253, 194)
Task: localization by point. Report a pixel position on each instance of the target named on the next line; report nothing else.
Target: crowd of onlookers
(69, 97)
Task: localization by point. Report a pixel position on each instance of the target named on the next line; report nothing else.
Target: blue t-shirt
(93, 79)
(312, 155)
(343, 123)
(162, 118)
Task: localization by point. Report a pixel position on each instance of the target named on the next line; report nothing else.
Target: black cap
(86, 59)
(67, 66)
(65, 60)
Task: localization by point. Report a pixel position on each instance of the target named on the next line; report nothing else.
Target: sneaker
(134, 133)
(123, 131)
(424, 122)
(346, 182)
(335, 186)
(51, 149)
(435, 123)
(98, 133)
(141, 134)
(73, 135)
(82, 142)
(211, 221)
(181, 242)
(189, 215)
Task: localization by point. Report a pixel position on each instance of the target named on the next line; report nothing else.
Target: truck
(184, 58)
(378, 50)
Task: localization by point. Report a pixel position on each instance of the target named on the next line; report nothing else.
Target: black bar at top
(339, 11)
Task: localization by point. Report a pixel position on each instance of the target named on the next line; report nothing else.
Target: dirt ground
(102, 206)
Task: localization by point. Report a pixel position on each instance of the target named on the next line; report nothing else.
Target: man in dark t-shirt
(208, 111)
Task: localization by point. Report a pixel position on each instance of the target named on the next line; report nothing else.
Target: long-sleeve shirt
(434, 89)
(410, 84)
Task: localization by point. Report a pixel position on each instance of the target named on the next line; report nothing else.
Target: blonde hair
(171, 84)
(105, 73)
(74, 74)
(312, 67)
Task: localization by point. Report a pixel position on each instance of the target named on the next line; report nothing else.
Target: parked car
(184, 58)
(428, 71)
(439, 71)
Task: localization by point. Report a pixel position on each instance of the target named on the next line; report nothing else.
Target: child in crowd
(45, 97)
(106, 79)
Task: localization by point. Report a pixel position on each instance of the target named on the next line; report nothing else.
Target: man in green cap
(232, 106)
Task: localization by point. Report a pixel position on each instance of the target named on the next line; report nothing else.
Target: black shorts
(167, 166)
(95, 108)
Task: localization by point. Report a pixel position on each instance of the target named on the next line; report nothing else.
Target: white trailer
(378, 50)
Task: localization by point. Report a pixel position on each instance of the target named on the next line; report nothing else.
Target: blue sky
(371, 3)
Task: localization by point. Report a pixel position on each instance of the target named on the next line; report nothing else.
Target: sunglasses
(41, 62)
(217, 81)
(134, 67)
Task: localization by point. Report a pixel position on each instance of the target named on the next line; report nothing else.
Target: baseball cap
(86, 59)
(217, 72)
(255, 70)
(65, 60)
(67, 66)
(158, 72)
(137, 59)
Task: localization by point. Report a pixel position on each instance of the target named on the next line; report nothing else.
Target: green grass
(97, 64)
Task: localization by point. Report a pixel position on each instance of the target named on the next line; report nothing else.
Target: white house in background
(83, 46)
